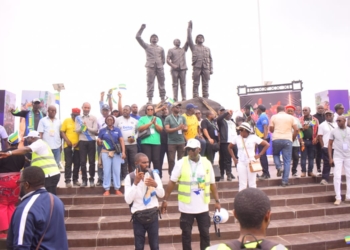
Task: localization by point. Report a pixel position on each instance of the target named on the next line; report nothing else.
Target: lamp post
(58, 87)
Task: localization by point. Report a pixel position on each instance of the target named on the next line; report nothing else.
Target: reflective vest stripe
(43, 158)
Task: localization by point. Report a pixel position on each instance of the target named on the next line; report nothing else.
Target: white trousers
(338, 166)
(245, 176)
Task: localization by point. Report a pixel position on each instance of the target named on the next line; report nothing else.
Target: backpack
(257, 244)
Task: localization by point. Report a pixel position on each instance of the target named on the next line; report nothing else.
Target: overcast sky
(90, 46)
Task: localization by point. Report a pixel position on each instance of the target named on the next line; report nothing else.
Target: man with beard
(324, 131)
(42, 157)
(175, 126)
(71, 149)
(39, 219)
(128, 127)
(320, 116)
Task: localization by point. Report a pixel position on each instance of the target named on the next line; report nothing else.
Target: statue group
(176, 58)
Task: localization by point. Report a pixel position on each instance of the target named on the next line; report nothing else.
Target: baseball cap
(190, 106)
(262, 108)
(36, 100)
(75, 111)
(193, 143)
(33, 133)
(105, 106)
(328, 112)
(246, 126)
(290, 107)
(176, 104)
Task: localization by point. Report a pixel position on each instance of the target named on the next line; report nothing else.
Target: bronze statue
(155, 61)
(176, 59)
(201, 61)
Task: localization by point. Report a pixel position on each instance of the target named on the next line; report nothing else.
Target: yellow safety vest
(46, 162)
(184, 189)
(251, 245)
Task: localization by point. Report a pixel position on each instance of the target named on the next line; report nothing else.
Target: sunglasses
(192, 149)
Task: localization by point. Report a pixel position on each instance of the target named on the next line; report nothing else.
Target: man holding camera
(142, 187)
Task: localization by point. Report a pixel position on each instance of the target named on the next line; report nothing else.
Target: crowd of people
(126, 145)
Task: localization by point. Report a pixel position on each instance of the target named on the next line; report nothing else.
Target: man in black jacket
(318, 148)
(227, 131)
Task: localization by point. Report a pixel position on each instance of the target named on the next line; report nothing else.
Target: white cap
(33, 133)
(193, 143)
(246, 126)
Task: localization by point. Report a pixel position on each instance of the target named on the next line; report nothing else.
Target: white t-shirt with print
(197, 204)
(128, 128)
(250, 143)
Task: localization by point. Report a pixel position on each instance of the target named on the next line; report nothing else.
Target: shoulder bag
(254, 166)
(144, 134)
(117, 146)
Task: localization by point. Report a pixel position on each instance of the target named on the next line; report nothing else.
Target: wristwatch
(217, 201)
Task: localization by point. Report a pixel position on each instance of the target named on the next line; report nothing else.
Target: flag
(106, 145)
(301, 134)
(171, 101)
(16, 111)
(312, 123)
(13, 138)
(122, 86)
(57, 98)
(251, 110)
(83, 128)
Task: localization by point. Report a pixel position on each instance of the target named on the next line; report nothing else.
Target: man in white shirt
(128, 127)
(324, 131)
(141, 192)
(49, 129)
(339, 141)
(196, 180)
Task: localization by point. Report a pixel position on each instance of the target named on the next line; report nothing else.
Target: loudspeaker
(217, 173)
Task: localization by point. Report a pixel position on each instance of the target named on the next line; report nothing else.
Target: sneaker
(296, 175)
(92, 184)
(311, 174)
(324, 182)
(303, 174)
(222, 178)
(319, 174)
(117, 192)
(229, 178)
(264, 177)
(232, 176)
(83, 184)
(68, 185)
(318, 170)
(99, 183)
(76, 183)
(337, 202)
(279, 172)
(106, 193)
(285, 184)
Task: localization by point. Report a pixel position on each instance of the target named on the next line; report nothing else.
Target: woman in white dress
(246, 143)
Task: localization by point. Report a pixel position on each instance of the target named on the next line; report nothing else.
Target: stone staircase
(303, 217)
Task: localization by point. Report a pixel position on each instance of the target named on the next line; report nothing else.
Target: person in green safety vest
(252, 209)
(196, 180)
(42, 157)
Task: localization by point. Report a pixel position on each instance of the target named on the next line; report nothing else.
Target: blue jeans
(111, 166)
(57, 155)
(309, 154)
(152, 233)
(286, 147)
(99, 170)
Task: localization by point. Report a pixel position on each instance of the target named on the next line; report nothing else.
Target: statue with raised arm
(176, 59)
(202, 63)
(155, 60)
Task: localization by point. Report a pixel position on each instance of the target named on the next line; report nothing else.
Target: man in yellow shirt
(193, 129)
(71, 150)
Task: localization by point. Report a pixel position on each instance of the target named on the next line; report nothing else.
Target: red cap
(290, 107)
(75, 111)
